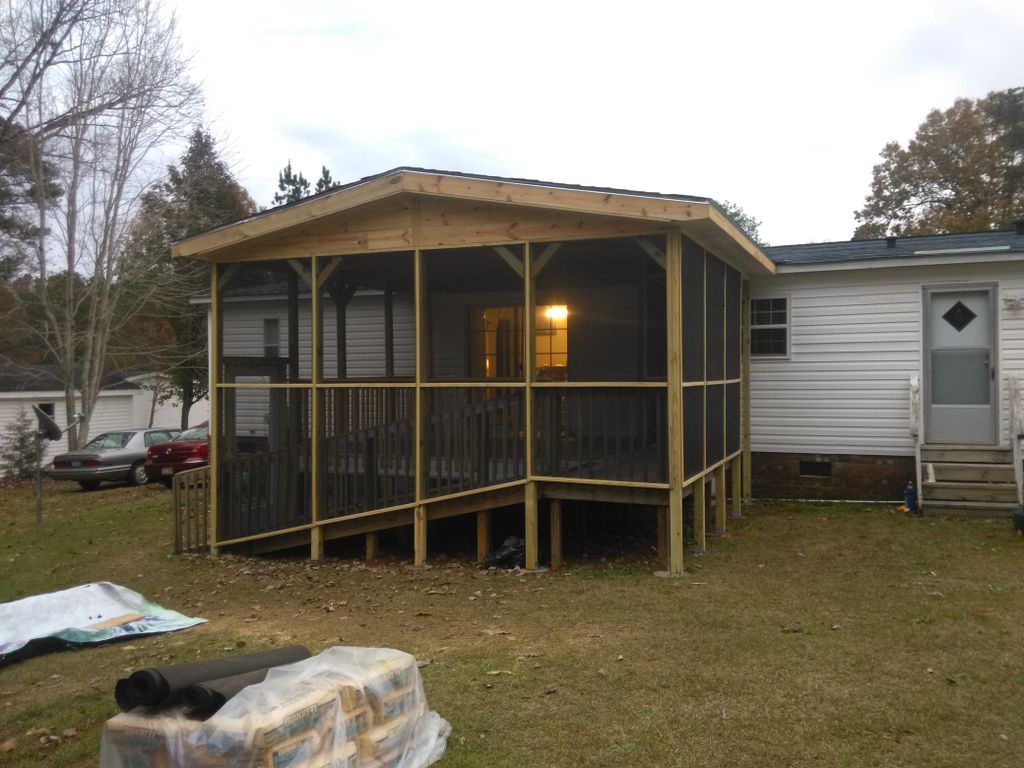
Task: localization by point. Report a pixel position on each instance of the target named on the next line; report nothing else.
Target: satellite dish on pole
(47, 427)
(48, 430)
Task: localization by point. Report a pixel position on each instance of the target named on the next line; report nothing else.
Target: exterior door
(960, 359)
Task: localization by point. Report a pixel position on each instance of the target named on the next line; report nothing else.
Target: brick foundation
(868, 478)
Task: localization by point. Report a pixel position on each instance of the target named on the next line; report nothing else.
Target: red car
(190, 450)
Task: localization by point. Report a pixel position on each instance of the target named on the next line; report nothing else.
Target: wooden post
(721, 501)
(483, 534)
(674, 334)
(745, 388)
(700, 514)
(419, 536)
(213, 341)
(662, 523)
(556, 534)
(316, 534)
(737, 490)
(530, 508)
(372, 546)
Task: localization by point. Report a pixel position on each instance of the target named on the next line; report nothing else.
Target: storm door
(960, 366)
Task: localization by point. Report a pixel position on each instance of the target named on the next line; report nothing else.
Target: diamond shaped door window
(959, 316)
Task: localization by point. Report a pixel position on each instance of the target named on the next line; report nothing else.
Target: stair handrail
(916, 431)
(1016, 385)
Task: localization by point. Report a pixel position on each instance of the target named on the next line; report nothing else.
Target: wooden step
(968, 509)
(960, 491)
(972, 472)
(964, 454)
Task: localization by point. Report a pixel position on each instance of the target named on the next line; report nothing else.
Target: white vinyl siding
(245, 322)
(855, 341)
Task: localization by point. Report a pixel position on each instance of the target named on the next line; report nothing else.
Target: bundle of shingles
(345, 708)
(202, 686)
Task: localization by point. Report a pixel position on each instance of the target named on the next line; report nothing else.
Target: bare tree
(103, 90)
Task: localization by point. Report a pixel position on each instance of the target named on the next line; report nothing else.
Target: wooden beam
(276, 220)
(745, 387)
(700, 514)
(662, 526)
(483, 534)
(372, 546)
(530, 512)
(674, 313)
(300, 268)
(419, 523)
(529, 363)
(316, 535)
(556, 534)
(675, 532)
(324, 275)
(721, 501)
(545, 256)
(651, 250)
(737, 487)
(510, 258)
(213, 341)
(226, 273)
(556, 197)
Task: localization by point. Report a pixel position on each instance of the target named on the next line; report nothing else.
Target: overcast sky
(780, 107)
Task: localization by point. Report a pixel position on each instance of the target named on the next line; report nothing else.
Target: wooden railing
(264, 491)
(1016, 383)
(369, 469)
(474, 442)
(190, 499)
(602, 434)
(917, 432)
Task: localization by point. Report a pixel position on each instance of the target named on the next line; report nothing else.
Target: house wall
(855, 339)
(364, 329)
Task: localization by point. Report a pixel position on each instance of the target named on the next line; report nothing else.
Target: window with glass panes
(769, 327)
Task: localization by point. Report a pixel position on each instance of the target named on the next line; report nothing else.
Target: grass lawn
(810, 635)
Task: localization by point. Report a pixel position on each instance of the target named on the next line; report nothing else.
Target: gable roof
(38, 377)
(901, 251)
(700, 217)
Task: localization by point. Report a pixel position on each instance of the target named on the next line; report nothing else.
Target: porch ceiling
(319, 225)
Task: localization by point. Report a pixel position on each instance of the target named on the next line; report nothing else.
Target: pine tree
(290, 187)
(200, 193)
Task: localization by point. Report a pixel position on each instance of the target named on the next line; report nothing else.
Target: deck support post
(737, 487)
(419, 532)
(372, 546)
(675, 532)
(721, 500)
(674, 380)
(662, 523)
(316, 543)
(483, 534)
(530, 510)
(556, 534)
(700, 515)
(745, 468)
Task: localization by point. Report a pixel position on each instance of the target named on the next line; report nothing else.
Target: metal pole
(39, 481)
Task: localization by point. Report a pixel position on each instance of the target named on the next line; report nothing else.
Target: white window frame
(786, 326)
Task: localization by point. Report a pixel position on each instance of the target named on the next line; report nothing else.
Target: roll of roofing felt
(203, 699)
(157, 686)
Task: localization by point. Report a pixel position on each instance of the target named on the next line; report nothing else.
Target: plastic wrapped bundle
(346, 708)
